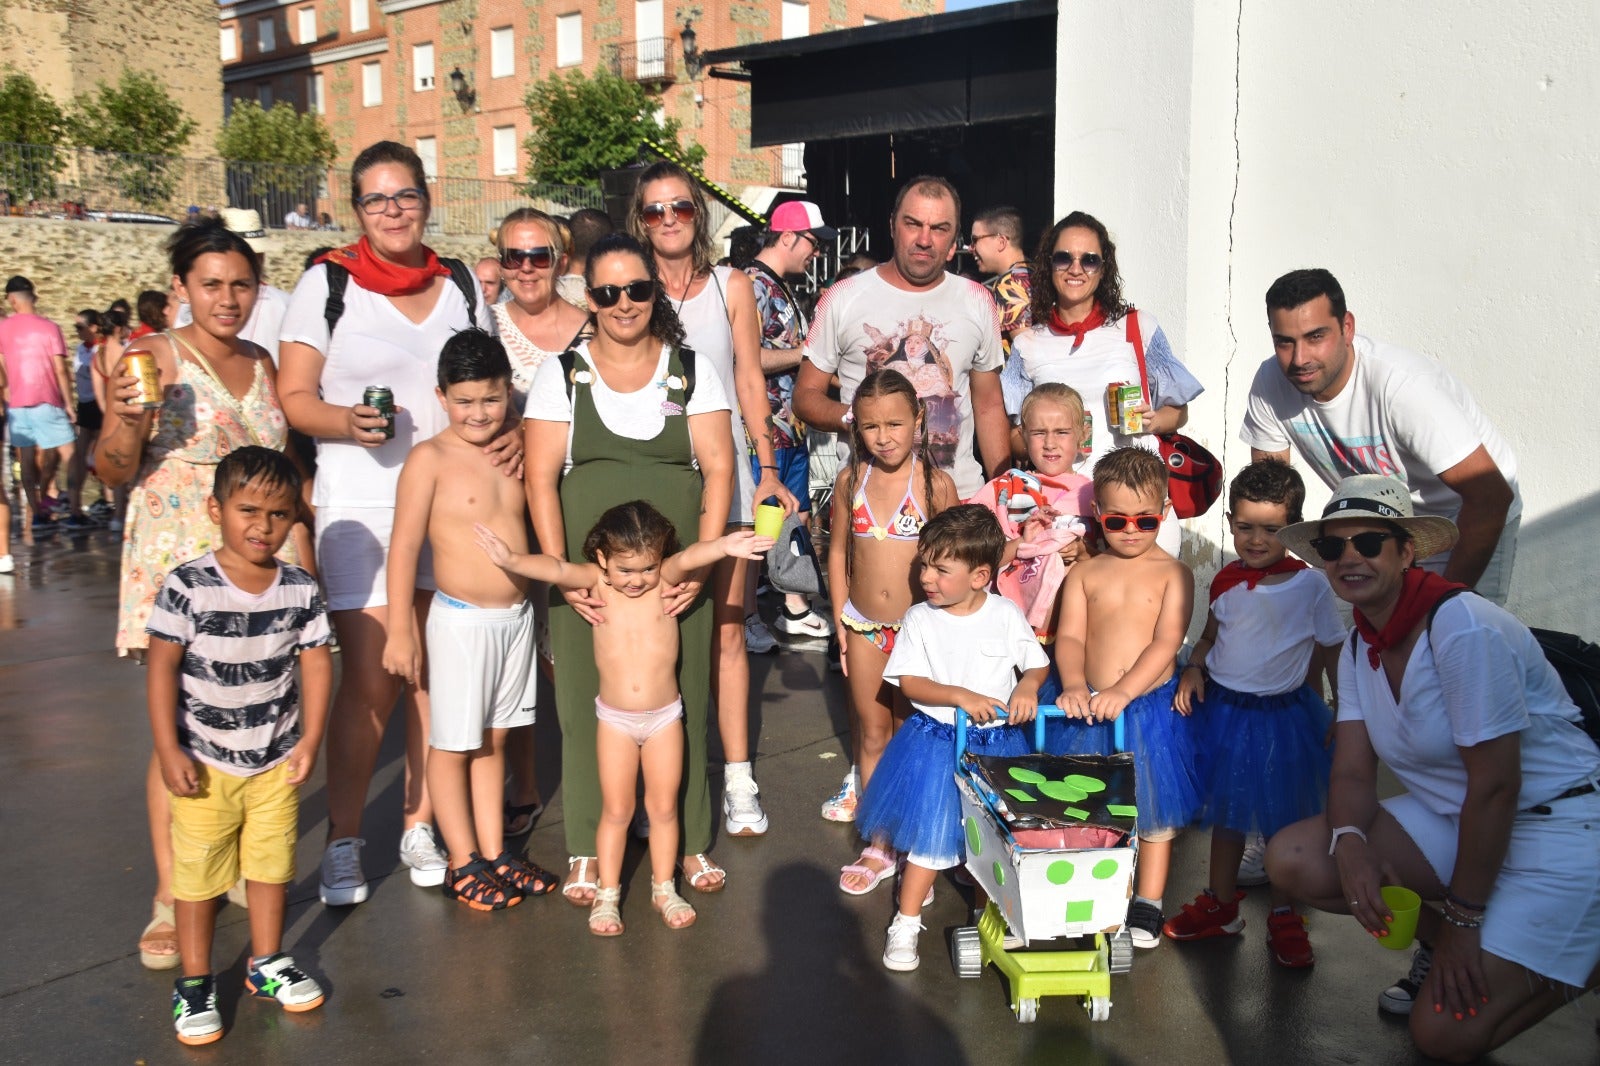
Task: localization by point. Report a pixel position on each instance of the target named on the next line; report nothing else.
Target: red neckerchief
(1420, 590)
(141, 330)
(1076, 330)
(1236, 573)
(381, 276)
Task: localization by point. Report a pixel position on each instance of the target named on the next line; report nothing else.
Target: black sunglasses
(1089, 261)
(642, 291)
(1144, 523)
(656, 213)
(1331, 548)
(538, 258)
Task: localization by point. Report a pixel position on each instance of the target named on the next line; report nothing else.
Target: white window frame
(428, 152)
(360, 16)
(796, 19)
(422, 72)
(306, 25)
(230, 44)
(504, 149)
(317, 93)
(569, 39)
(372, 84)
(502, 52)
(266, 35)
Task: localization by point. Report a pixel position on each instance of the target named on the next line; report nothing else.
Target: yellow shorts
(234, 826)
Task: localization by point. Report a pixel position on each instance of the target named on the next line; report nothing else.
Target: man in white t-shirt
(939, 330)
(1352, 405)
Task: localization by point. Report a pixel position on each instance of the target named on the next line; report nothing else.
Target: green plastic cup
(1405, 905)
(769, 520)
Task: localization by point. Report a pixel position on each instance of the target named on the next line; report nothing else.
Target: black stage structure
(969, 95)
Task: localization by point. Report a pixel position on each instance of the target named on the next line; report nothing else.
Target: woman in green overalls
(627, 424)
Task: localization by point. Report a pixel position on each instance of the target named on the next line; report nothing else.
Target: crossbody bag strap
(1135, 339)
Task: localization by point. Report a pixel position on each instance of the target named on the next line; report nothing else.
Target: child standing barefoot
(1254, 684)
(963, 647)
(1123, 618)
(631, 559)
(881, 501)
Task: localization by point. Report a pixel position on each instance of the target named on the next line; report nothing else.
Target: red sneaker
(1288, 942)
(1206, 916)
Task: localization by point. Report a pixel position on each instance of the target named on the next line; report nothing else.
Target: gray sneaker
(1253, 866)
(343, 883)
(419, 849)
(758, 639)
(741, 809)
(1399, 997)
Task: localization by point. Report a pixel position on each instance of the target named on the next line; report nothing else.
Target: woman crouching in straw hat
(1499, 827)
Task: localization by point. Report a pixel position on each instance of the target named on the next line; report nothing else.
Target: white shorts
(352, 549)
(480, 671)
(1544, 910)
(742, 511)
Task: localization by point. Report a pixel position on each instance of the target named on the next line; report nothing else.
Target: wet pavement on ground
(780, 968)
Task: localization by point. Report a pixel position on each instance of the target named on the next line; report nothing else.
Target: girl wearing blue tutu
(1254, 683)
(963, 647)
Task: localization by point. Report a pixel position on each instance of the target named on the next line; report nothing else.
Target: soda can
(1121, 401)
(142, 365)
(381, 397)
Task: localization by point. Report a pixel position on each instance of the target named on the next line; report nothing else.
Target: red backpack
(1194, 476)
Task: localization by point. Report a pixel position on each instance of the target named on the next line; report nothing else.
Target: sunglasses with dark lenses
(656, 213)
(1144, 523)
(638, 291)
(1089, 261)
(1331, 548)
(537, 258)
(376, 203)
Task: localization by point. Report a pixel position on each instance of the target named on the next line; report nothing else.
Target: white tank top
(707, 330)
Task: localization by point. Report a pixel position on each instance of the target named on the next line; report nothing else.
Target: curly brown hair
(1108, 294)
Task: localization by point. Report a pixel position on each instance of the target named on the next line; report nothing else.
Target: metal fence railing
(79, 183)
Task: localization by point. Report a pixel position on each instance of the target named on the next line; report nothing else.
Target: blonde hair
(700, 248)
(552, 228)
(1054, 392)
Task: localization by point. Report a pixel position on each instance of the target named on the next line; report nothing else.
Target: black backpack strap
(569, 362)
(333, 310)
(686, 361)
(1440, 602)
(467, 282)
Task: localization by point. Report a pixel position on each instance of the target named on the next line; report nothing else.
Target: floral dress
(168, 524)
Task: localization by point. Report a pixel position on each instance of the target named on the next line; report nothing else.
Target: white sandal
(707, 873)
(584, 881)
(605, 909)
(665, 899)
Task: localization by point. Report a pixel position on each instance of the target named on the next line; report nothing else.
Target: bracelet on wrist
(1460, 920)
(1462, 904)
(768, 466)
(1344, 830)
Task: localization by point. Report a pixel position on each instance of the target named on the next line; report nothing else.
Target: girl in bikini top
(908, 518)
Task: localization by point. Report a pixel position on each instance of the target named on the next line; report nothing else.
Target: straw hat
(247, 224)
(1379, 498)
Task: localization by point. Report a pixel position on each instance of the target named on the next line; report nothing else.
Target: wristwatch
(1340, 831)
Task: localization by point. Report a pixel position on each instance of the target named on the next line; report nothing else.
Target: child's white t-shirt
(1265, 635)
(984, 651)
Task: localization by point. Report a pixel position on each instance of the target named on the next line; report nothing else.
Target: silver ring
(1355, 903)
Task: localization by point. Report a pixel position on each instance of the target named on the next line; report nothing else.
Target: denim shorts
(41, 426)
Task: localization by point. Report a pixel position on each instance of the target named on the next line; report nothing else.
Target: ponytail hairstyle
(877, 384)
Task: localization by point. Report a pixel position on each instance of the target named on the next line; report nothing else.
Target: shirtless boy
(631, 559)
(480, 634)
(1124, 614)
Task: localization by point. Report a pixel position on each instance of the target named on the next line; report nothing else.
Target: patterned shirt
(1012, 290)
(782, 326)
(238, 703)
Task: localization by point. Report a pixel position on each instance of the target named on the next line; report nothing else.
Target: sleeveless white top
(707, 330)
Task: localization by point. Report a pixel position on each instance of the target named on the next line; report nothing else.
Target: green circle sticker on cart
(1058, 872)
(1104, 869)
(1025, 775)
(1061, 790)
(1085, 783)
(999, 873)
(974, 841)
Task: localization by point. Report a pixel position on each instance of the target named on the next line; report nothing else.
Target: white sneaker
(900, 952)
(1253, 867)
(841, 806)
(741, 810)
(8, 565)
(278, 978)
(758, 639)
(343, 883)
(420, 850)
(810, 624)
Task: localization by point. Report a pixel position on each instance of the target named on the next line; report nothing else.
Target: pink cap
(801, 216)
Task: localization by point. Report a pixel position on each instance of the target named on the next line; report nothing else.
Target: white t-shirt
(1401, 414)
(636, 415)
(1476, 675)
(936, 337)
(1265, 635)
(374, 344)
(984, 652)
(265, 324)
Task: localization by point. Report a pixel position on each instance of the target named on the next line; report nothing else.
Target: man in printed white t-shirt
(939, 330)
(1352, 405)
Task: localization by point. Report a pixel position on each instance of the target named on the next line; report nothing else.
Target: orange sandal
(476, 885)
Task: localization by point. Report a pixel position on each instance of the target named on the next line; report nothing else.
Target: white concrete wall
(1442, 158)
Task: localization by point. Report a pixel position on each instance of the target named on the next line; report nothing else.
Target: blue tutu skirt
(1266, 763)
(1165, 755)
(912, 801)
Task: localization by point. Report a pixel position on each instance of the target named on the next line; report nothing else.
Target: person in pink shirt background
(38, 397)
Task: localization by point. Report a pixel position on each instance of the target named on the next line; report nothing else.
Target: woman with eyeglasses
(1081, 337)
(717, 306)
(1499, 826)
(535, 323)
(400, 304)
(630, 422)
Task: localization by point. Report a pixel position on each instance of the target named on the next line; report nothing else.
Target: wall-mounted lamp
(466, 95)
(691, 52)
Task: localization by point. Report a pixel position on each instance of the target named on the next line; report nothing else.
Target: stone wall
(74, 265)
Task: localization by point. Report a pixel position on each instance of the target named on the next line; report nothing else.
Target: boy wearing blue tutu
(1124, 614)
(963, 647)
(1254, 683)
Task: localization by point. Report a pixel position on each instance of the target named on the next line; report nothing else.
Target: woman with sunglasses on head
(1080, 337)
(535, 323)
(717, 306)
(629, 422)
(400, 304)
(1499, 827)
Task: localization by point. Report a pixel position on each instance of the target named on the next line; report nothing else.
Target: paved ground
(781, 967)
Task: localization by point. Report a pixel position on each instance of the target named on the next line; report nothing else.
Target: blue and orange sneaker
(278, 978)
(194, 1010)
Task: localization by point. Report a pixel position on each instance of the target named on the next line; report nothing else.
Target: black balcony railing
(646, 60)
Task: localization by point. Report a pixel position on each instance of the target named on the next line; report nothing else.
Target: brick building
(449, 76)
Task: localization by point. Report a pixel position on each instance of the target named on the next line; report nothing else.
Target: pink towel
(1033, 579)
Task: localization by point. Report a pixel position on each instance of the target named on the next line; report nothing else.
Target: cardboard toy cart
(1051, 839)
